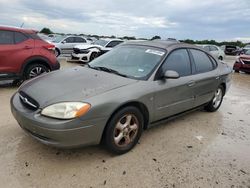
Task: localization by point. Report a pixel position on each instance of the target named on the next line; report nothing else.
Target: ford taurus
(118, 95)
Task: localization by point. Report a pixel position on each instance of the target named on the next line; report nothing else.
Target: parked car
(115, 97)
(86, 53)
(65, 44)
(23, 55)
(216, 51)
(231, 50)
(242, 62)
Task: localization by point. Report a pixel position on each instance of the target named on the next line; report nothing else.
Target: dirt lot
(197, 150)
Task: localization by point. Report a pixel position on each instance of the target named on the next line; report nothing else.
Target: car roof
(164, 44)
(18, 29)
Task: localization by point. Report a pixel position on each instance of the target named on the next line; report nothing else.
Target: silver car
(65, 44)
(115, 97)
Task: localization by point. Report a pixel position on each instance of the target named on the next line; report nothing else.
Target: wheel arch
(139, 105)
(33, 60)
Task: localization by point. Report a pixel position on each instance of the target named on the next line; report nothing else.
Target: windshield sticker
(156, 52)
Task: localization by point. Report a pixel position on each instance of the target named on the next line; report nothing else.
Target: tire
(35, 70)
(92, 56)
(237, 71)
(57, 52)
(125, 126)
(215, 103)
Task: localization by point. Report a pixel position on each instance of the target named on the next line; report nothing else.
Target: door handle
(191, 83)
(27, 47)
(217, 78)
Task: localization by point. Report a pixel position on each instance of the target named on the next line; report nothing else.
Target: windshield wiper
(108, 70)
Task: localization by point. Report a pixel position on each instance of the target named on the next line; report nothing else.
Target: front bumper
(238, 66)
(80, 57)
(54, 132)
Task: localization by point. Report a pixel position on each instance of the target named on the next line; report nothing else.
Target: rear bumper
(55, 66)
(58, 133)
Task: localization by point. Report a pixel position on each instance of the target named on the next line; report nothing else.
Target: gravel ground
(196, 150)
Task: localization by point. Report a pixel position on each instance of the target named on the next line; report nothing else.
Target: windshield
(136, 62)
(101, 42)
(247, 52)
(58, 39)
(247, 46)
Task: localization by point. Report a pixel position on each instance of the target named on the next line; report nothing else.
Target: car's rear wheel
(93, 56)
(57, 53)
(124, 130)
(215, 103)
(35, 70)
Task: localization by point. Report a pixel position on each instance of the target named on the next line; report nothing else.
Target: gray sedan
(118, 95)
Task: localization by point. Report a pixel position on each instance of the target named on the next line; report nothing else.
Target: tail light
(50, 47)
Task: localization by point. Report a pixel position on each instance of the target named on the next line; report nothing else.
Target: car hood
(245, 56)
(86, 46)
(76, 84)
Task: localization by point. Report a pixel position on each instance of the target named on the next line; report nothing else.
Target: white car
(87, 52)
(216, 51)
(65, 44)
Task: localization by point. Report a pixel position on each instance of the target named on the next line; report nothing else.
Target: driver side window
(178, 61)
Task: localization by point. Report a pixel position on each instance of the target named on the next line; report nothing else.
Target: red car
(24, 55)
(243, 62)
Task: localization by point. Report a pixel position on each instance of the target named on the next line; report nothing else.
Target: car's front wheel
(35, 70)
(124, 130)
(215, 103)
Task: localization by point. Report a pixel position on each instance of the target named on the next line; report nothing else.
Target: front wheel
(124, 130)
(215, 103)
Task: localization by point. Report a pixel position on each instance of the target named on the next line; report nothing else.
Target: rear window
(6, 37)
(20, 37)
(202, 61)
(34, 36)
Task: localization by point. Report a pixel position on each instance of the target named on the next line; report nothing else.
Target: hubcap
(217, 98)
(126, 130)
(36, 71)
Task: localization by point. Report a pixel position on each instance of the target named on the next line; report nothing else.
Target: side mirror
(169, 74)
(64, 41)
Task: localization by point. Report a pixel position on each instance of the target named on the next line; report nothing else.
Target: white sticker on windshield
(156, 52)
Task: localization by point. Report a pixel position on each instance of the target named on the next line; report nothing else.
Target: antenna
(22, 25)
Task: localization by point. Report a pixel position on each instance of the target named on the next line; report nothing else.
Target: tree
(156, 37)
(46, 31)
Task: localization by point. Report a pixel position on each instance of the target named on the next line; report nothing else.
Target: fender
(33, 59)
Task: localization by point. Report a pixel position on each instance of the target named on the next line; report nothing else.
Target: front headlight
(66, 110)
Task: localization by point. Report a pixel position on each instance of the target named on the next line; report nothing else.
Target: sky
(181, 19)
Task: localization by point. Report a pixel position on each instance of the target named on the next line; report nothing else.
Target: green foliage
(156, 37)
(213, 42)
(46, 31)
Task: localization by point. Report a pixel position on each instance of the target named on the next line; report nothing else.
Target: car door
(111, 45)
(205, 76)
(67, 45)
(214, 51)
(15, 48)
(173, 96)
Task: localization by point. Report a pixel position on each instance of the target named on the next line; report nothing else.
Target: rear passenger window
(178, 61)
(6, 37)
(19, 37)
(80, 40)
(202, 61)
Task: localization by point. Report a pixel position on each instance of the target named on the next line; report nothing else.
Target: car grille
(27, 101)
(246, 62)
(76, 50)
(74, 58)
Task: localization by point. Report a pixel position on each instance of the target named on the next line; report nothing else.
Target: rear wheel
(57, 53)
(123, 130)
(215, 103)
(35, 70)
